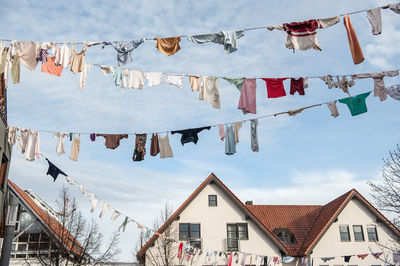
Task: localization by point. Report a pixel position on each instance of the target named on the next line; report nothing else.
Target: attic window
(212, 200)
(285, 235)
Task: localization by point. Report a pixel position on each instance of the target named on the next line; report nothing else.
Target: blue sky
(310, 158)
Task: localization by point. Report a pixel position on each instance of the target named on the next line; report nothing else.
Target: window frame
(209, 200)
(362, 233)
(375, 231)
(237, 230)
(189, 232)
(348, 233)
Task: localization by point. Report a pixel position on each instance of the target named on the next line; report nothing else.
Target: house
(39, 233)
(5, 153)
(213, 226)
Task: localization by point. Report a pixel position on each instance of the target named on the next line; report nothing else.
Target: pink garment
(221, 132)
(247, 101)
(230, 259)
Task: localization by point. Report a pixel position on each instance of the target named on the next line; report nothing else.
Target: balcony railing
(232, 244)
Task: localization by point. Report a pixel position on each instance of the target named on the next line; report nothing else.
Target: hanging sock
(175, 80)
(227, 38)
(209, 91)
(168, 46)
(230, 143)
(221, 132)
(190, 135)
(275, 88)
(194, 82)
(254, 135)
(165, 147)
(333, 109)
(76, 143)
(15, 70)
(237, 126)
(54, 171)
(303, 35)
(140, 147)
(379, 84)
(375, 19)
(60, 145)
(92, 136)
(154, 147)
(355, 47)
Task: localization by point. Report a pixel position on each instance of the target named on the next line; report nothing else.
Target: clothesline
(246, 29)
(221, 77)
(86, 192)
(213, 125)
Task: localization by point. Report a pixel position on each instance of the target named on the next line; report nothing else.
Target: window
(3, 171)
(236, 232)
(212, 200)
(285, 235)
(344, 232)
(187, 231)
(358, 233)
(372, 234)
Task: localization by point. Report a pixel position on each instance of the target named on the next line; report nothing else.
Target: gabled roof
(213, 179)
(309, 222)
(299, 219)
(57, 229)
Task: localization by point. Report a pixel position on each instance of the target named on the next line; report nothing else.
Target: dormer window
(212, 200)
(285, 235)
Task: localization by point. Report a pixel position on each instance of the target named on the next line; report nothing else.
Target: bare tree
(164, 252)
(386, 194)
(74, 240)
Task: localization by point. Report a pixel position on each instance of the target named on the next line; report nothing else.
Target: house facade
(213, 227)
(38, 232)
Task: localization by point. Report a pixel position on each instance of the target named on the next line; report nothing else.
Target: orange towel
(168, 46)
(355, 48)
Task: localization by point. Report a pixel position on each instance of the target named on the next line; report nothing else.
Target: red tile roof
(55, 227)
(297, 218)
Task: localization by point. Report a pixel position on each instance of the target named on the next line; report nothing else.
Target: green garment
(356, 104)
(238, 82)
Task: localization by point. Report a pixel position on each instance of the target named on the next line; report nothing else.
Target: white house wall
(213, 228)
(330, 245)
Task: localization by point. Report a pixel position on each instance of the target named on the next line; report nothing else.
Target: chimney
(249, 202)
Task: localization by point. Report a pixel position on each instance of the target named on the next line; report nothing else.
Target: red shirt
(275, 87)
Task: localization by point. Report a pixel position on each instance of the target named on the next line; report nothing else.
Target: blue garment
(124, 50)
(230, 144)
(54, 171)
(117, 75)
(227, 38)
